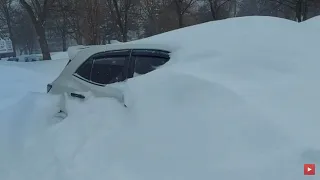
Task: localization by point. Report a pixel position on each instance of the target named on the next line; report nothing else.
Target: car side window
(146, 64)
(108, 70)
(84, 70)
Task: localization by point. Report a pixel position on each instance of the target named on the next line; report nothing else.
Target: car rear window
(147, 60)
(108, 70)
(145, 64)
(85, 69)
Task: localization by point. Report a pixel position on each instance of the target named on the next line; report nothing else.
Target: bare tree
(216, 6)
(60, 19)
(181, 8)
(38, 11)
(150, 11)
(85, 20)
(249, 8)
(26, 39)
(76, 17)
(158, 16)
(92, 22)
(233, 8)
(120, 11)
(299, 7)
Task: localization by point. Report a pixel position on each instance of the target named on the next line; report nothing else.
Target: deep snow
(239, 100)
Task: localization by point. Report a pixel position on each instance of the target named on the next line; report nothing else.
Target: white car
(102, 69)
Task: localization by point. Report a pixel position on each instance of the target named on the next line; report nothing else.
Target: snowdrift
(313, 23)
(239, 100)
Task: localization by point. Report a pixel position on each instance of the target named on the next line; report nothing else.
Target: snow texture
(238, 100)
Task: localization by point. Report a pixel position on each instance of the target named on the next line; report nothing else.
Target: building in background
(6, 49)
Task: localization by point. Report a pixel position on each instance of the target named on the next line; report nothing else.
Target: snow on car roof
(134, 45)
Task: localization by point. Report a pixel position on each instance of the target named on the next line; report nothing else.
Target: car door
(144, 61)
(103, 74)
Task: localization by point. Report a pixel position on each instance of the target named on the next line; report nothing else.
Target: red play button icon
(309, 169)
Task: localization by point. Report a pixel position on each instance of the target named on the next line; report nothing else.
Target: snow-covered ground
(240, 100)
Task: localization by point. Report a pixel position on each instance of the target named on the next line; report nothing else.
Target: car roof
(84, 52)
(92, 49)
(130, 45)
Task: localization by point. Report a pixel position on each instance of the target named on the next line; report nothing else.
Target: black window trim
(109, 55)
(129, 55)
(124, 68)
(164, 55)
(159, 53)
(75, 74)
(88, 81)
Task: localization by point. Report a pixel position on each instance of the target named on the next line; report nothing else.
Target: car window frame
(147, 53)
(106, 54)
(126, 58)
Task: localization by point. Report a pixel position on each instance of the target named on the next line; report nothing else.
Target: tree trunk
(180, 20)
(304, 10)
(43, 42)
(79, 38)
(212, 9)
(301, 10)
(298, 11)
(64, 41)
(125, 27)
(38, 23)
(64, 32)
(21, 51)
(235, 8)
(156, 26)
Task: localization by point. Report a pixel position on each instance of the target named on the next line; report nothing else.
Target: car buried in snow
(102, 70)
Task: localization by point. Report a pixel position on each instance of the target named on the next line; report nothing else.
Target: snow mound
(239, 100)
(313, 23)
(19, 79)
(315, 19)
(59, 55)
(16, 84)
(244, 39)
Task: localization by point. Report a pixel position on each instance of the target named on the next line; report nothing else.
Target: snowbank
(239, 101)
(16, 83)
(59, 55)
(312, 23)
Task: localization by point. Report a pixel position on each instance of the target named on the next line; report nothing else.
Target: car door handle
(80, 96)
